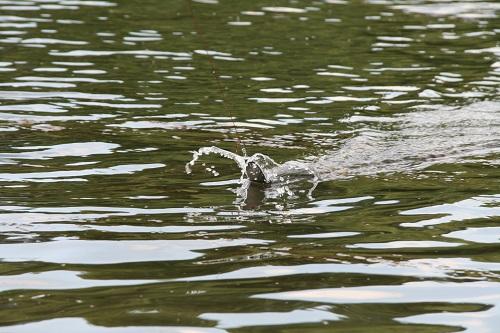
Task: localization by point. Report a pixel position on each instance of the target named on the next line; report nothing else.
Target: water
(376, 123)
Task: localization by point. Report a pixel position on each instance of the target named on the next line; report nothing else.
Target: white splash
(273, 172)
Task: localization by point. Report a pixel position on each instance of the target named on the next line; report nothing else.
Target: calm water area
(382, 120)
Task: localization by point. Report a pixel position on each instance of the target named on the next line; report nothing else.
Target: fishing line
(240, 146)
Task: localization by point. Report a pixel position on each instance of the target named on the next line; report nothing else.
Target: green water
(392, 105)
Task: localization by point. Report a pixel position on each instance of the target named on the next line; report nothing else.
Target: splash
(272, 171)
(240, 160)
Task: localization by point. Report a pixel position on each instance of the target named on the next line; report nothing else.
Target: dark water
(392, 105)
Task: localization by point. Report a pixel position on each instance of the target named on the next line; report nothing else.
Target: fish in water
(258, 168)
(255, 173)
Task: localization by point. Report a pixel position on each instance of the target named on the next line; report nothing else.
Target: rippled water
(380, 120)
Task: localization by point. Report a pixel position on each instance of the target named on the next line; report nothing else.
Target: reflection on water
(382, 119)
(232, 320)
(79, 325)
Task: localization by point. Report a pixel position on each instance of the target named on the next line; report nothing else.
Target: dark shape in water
(255, 173)
(255, 194)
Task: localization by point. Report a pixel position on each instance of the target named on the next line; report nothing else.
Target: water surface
(382, 117)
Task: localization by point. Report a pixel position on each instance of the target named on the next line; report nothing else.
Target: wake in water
(408, 142)
(402, 143)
